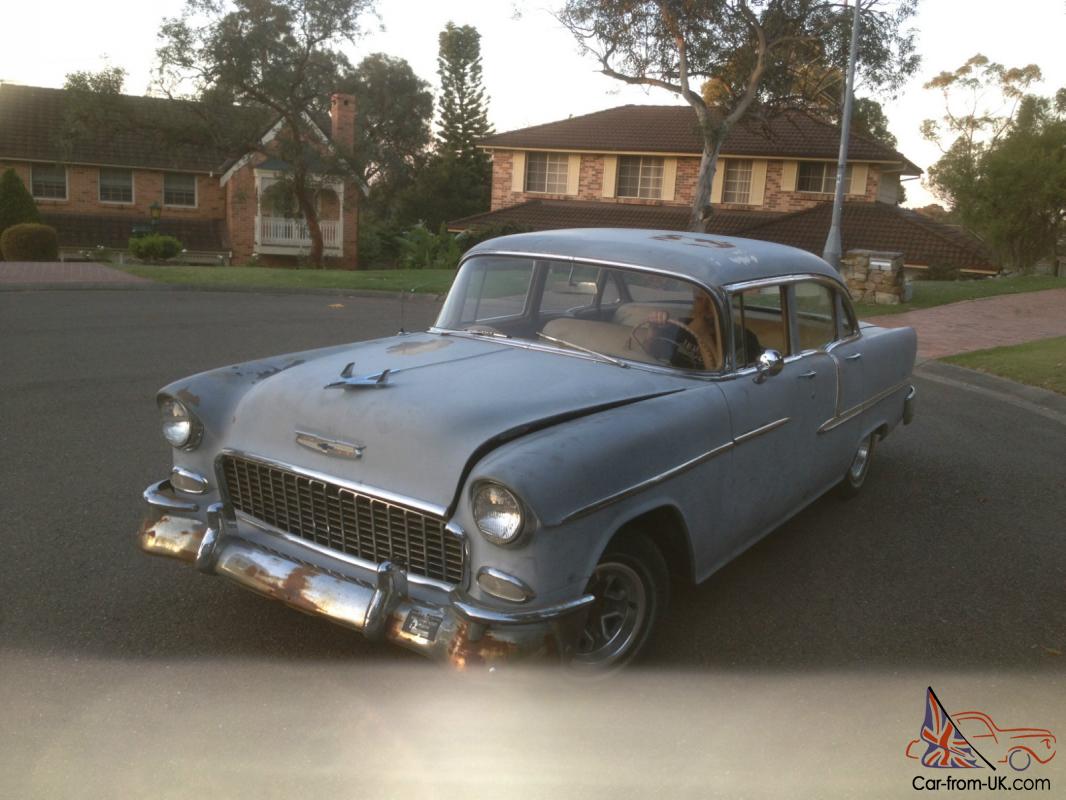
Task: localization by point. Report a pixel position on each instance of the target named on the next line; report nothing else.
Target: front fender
(583, 479)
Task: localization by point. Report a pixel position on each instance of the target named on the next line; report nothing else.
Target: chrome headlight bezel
(175, 414)
(479, 499)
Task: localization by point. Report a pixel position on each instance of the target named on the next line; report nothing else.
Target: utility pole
(833, 248)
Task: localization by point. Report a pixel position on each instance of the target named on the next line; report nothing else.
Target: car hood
(446, 401)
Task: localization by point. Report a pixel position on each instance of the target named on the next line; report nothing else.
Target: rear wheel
(631, 585)
(859, 468)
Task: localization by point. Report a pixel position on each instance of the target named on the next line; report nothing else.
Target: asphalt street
(952, 561)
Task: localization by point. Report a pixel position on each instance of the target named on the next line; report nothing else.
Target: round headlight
(180, 427)
(497, 512)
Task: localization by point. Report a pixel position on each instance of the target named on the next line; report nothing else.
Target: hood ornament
(329, 447)
(378, 380)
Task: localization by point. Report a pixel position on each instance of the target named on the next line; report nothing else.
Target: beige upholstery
(603, 337)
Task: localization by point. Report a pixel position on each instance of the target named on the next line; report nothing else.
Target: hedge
(30, 242)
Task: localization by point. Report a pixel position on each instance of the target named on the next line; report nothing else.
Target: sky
(533, 69)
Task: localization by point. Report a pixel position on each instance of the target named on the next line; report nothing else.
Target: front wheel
(859, 468)
(631, 585)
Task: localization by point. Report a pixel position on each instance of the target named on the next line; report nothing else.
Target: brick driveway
(50, 272)
(980, 324)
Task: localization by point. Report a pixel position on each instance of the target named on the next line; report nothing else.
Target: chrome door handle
(853, 357)
(810, 374)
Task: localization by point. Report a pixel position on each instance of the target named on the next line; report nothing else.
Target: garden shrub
(30, 241)
(472, 236)
(16, 203)
(420, 249)
(154, 247)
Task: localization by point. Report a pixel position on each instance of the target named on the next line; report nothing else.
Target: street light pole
(833, 247)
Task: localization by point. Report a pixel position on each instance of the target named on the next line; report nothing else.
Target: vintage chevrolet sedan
(594, 414)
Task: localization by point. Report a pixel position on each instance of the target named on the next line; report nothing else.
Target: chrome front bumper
(459, 632)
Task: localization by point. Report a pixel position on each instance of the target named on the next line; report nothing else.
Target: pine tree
(16, 203)
(464, 107)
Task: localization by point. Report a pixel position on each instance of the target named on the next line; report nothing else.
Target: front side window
(546, 172)
(179, 189)
(815, 314)
(116, 186)
(760, 323)
(587, 309)
(736, 182)
(819, 176)
(49, 182)
(639, 176)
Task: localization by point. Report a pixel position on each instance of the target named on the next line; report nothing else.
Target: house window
(49, 182)
(116, 186)
(736, 182)
(640, 177)
(819, 176)
(179, 189)
(546, 172)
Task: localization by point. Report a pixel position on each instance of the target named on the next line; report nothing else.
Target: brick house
(636, 166)
(96, 187)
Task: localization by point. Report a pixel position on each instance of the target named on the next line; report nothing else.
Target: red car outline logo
(971, 733)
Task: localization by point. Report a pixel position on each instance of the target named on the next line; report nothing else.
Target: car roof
(707, 258)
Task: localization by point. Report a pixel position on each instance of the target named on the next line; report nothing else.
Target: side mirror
(769, 364)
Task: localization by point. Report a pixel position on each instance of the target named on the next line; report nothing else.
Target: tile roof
(113, 230)
(865, 226)
(32, 119)
(673, 129)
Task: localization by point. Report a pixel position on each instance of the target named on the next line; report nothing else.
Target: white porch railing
(280, 231)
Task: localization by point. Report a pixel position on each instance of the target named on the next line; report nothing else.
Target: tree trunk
(701, 202)
(307, 208)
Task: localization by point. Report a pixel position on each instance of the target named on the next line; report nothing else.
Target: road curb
(382, 294)
(1044, 402)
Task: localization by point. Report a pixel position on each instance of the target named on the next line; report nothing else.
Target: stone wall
(873, 276)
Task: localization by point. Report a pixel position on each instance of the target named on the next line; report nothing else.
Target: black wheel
(1019, 760)
(859, 468)
(632, 588)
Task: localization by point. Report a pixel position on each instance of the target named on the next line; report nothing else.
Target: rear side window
(760, 322)
(815, 314)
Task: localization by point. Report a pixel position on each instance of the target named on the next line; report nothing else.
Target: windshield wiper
(602, 356)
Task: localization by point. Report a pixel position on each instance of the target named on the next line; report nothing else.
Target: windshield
(613, 312)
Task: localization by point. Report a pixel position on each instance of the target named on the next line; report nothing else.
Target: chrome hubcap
(862, 458)
(617, 616)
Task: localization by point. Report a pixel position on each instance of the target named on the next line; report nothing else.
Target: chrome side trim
(752, 434)
(362, 488)
(488, 616)
(157, 495)
(355, 561)
(844, 416)
(646, 484)
(195, 478)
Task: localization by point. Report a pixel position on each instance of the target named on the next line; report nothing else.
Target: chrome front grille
(342, 519)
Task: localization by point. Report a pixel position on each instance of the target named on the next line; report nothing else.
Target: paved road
(953, 562)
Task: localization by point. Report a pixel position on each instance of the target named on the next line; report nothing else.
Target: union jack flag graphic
(946, 747)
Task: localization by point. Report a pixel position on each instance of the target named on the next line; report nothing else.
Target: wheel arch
(666, 527)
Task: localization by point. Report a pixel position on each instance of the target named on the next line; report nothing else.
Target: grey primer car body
(343, 481)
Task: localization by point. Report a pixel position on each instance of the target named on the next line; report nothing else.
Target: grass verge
(928, 294)
(432, 281)
(1041, 363)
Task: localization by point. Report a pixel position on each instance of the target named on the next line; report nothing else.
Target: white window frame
(66, 184)
(649, 184)
(827, 181)
(195, 191)
(100, 187)
(736, 189)
(548, 159)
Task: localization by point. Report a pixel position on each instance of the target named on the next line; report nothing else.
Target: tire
(631, 583)
(852, 482)
(1020, 760)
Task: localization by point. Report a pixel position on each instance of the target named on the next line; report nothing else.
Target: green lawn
(389, 280)
(1041, 363)
(937, 293)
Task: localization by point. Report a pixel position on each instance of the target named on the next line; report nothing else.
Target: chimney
(342, 117)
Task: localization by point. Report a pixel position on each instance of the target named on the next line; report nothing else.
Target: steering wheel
(645, 340)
